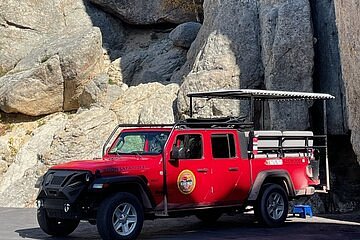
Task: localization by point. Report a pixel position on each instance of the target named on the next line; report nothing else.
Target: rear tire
(208, 216)
(120, 217)
(55, 227)
(272, 206)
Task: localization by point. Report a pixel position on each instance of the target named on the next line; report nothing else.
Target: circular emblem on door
(186, 182)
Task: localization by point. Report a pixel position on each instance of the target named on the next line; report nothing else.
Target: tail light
(255, 145)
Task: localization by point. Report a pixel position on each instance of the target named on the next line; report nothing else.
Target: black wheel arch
(280, 177)
(135, 185)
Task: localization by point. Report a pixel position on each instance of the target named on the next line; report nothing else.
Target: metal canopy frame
(258, 94)
(253, 95)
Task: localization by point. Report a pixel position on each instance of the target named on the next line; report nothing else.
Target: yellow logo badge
(186, 182)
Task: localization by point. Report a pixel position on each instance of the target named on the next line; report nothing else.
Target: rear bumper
(308, 191)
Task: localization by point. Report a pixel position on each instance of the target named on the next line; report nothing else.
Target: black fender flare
(262, 176)
(118, 181)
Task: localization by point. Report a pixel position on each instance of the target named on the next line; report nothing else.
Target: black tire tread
(260, 208)
(104, 216)
(55, 227)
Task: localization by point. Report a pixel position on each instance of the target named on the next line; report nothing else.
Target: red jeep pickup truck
(202, 167)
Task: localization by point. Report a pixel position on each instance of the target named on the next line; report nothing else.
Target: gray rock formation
(30, 153)
(35, 91)
(251, 44)
(287, 56)
(82, 137)
(348, 23)
(22, 26)
(94, 93)
(56, 138)
(151, 12)
(146, 103)
(184, 34)
(328, 74)
(147, 57)
(225, 54)
(56, 72)
(28, 42)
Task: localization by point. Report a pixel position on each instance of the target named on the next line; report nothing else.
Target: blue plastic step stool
(302, 210)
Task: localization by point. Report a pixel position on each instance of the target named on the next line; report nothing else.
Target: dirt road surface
(22, 224)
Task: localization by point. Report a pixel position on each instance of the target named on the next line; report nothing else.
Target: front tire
(120, 217)
(272, 206)
(55, 227)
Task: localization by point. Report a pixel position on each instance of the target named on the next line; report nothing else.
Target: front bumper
(61, 194)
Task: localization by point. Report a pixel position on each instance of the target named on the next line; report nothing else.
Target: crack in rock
(9, 23)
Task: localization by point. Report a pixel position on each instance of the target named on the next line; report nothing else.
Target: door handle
(233, 169)
(202, 170)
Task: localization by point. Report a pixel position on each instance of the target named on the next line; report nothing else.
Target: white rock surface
(146, 103)
(30, 154)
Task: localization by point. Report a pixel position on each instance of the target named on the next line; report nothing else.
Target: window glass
(133, 143)
(223, 145)
(190, 146)
(151, 142)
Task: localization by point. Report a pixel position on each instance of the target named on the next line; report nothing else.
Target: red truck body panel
(210, 181)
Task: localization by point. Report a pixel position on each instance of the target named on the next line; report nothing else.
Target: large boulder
(52, 77)
(184, 34)
(251, 44)
(348, 23)
(287, 56)
(147, 103)
(28, 46)
(47, 141)
(226, 54)
(142, 12)
(35, 91)
(95, 91)
(23, 28)
(82, 137)
(147, 57)
(30, 153)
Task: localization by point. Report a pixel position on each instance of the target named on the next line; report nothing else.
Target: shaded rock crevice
(328, 73)
(348, 25)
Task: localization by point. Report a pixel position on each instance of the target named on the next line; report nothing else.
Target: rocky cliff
(71, 70)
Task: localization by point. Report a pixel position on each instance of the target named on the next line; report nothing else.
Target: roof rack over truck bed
(253, 95)
(260, 95)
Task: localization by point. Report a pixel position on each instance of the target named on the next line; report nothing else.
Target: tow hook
(66, 207)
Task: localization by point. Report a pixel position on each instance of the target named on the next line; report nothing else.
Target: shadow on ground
(228, 227)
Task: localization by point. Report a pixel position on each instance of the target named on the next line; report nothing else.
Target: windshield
(151, 142)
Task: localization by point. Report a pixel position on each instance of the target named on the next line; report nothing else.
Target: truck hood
(110, 166)
(86, 165)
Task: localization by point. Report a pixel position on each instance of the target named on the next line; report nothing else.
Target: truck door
(230, 178)
(188, 177)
